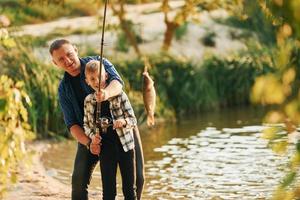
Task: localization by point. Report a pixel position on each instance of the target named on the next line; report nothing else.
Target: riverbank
(35, 184)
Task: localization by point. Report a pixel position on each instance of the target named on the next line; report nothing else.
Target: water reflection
(215, 163)
(219, 155)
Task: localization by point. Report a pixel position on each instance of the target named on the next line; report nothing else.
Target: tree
(189, 10)
(282, 89)
(126, 26)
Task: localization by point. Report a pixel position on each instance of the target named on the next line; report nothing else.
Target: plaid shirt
(120, 108)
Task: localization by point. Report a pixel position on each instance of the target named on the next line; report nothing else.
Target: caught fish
(149, 95)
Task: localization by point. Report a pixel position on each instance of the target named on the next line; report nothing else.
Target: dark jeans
(85, 163)
(112, 155)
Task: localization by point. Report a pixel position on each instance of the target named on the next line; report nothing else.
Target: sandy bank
(35, 184)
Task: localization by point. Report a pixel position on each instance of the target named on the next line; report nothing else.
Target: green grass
(20, 12)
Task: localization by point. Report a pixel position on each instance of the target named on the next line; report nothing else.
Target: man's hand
(96, 139)
(119, 123)
(95, 146)
(95, 149)
(101, 95)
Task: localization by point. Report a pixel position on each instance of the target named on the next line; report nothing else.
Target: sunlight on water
(232, 164)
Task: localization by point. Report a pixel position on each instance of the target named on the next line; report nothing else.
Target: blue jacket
(72, 112)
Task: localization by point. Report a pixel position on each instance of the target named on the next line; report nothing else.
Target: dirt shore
(35, 184)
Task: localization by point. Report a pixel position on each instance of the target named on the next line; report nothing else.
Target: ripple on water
(226, 164)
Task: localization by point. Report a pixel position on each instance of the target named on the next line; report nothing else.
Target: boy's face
(92, 79)
(66, 57)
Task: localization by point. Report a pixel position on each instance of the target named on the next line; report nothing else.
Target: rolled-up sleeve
(67, 109)
(112, 72)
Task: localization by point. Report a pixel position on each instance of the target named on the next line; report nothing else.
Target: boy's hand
(101, 95)
(119, 123)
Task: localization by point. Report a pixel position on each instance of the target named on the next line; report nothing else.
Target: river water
(218, 155)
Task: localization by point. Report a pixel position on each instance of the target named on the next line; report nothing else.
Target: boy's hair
(57, 44)
(93, 66)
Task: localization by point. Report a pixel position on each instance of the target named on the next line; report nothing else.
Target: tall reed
(186, 88)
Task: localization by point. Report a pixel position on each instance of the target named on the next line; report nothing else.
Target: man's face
(66, 57)
(92, 79)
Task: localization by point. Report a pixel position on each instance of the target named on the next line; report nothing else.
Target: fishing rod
(98, 112)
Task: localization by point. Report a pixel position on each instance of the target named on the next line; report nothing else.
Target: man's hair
(57, 44)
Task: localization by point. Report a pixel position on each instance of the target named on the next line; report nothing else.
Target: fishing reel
(104, 123)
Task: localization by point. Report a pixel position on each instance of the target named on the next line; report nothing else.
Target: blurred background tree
(281, 88)
(189, 10)
(126, 25)
(22, 12)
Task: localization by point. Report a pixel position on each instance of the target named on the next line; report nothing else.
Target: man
(72, 92)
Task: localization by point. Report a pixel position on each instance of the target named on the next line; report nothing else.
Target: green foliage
(285, 12)
(131, 72)
(122, 43)
(281, 88)
(254, 21)
(240, 35)
(186, 89)
(181, 31)
(209, 39)
(41, 83)
(139, 1)
(27, 12)
(288, 179)
(14, 129)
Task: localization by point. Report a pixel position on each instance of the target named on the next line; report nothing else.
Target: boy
(117, 141)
